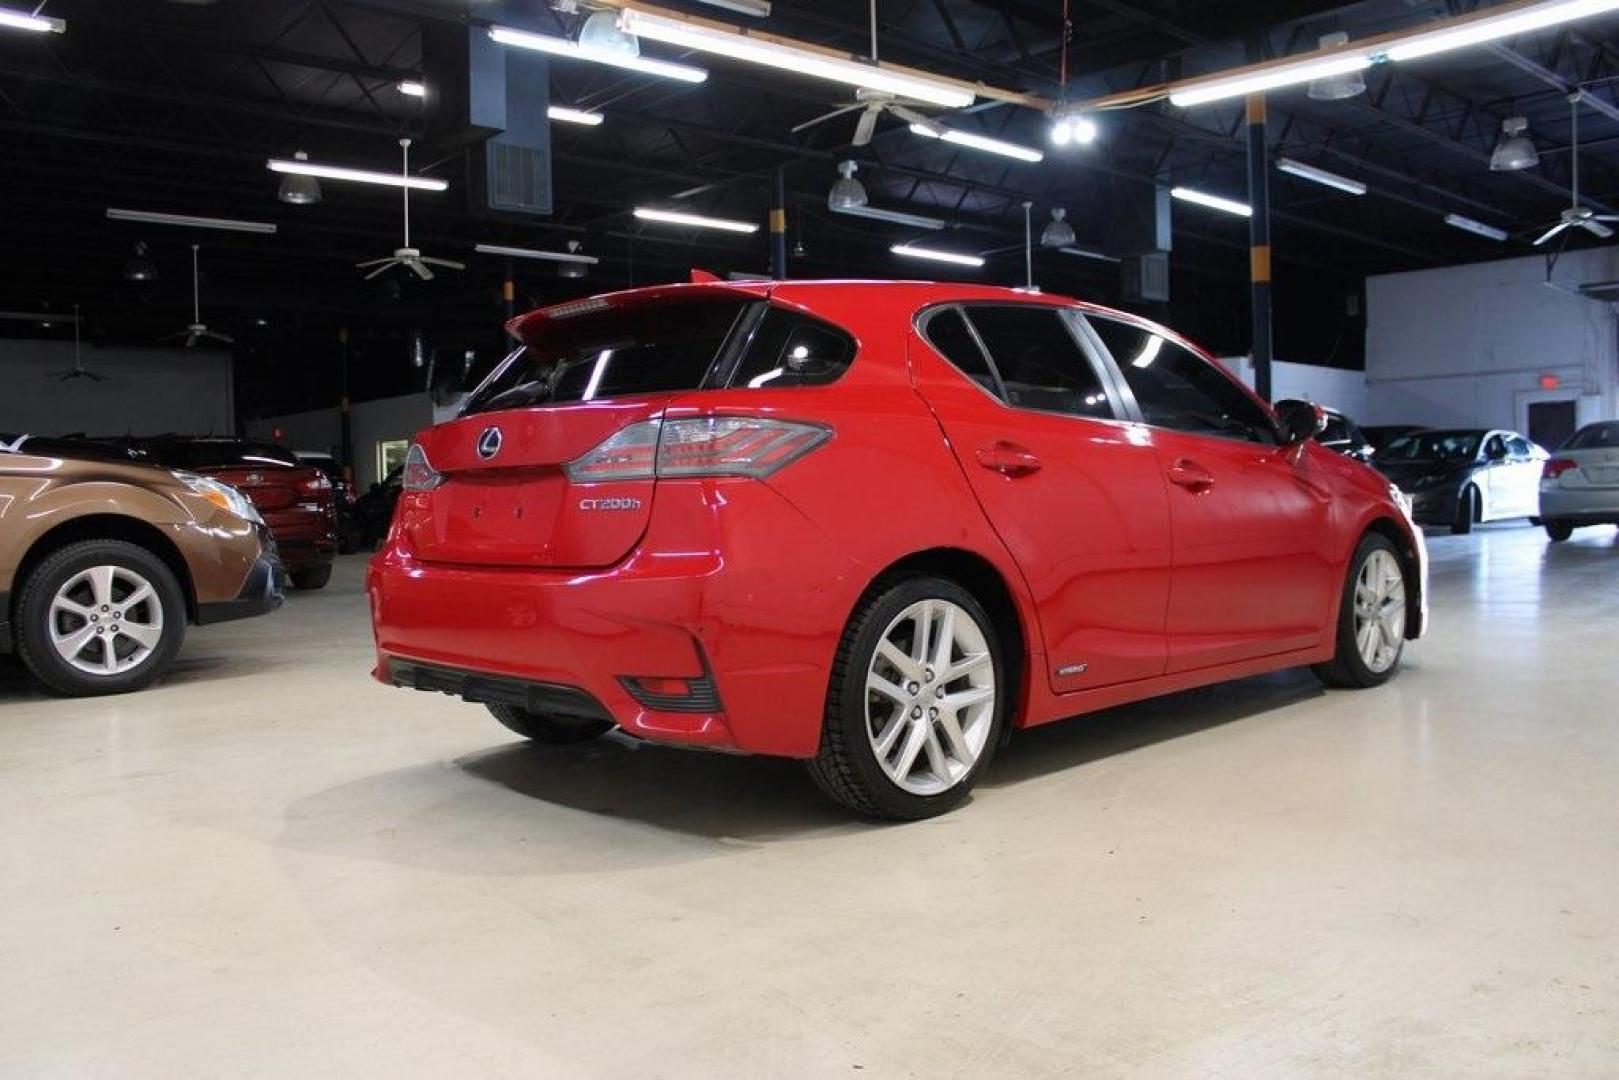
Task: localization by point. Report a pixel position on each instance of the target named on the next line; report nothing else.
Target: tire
(311, 577)
(1559, 531)
(1467, 511)
(80, 577)
(1350, 666)
(553, 730)
(850, 768)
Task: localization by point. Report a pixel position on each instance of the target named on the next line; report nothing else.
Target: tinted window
(1434, 446)
(789, 349)
(1593, 437)
(1176, 388)
(1519, 446)
(1496, 447)
(1040, 364)
(947, 332)
(651, 349)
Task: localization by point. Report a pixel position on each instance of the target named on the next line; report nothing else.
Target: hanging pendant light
(1515, 151)
(297, 189)
(1337, 87)
(1057, 233)
(847, 193)
(140, 267)
(572, 269)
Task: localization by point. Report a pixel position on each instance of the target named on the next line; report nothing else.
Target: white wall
(147, 392)
(1342, 390)
(373, 421)
(1469, 345)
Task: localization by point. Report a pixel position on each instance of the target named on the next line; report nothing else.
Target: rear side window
(1519, 446)
(1040, 364)
(1175, 388)
(790, 349)
(657, 348)
(946, 330)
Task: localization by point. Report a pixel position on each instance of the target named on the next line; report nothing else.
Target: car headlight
(1402, 500)
(221, 495)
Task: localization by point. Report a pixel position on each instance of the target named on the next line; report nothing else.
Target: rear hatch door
(587, 370)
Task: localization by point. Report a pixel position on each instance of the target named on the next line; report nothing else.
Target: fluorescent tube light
(696, 221)
(152, 217)
(1489, 27)
(412, 88)
(1086, 253)
(39, 24)
(759, 9)
(978, 142)
(1320, 176)
(531, 253)
(910, 251)
(896, 217)
(740, 45)
(361, 176)
(1477, 228)
(1214, 202)
(562, 47)
(1254, 82)
(573, 116)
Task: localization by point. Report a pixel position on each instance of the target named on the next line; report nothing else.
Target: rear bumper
(304, 538)
(1594, 506)
(678, 643)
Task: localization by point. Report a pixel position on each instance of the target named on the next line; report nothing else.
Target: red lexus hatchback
(875, 526)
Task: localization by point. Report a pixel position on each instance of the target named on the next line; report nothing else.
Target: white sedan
(1579, 485)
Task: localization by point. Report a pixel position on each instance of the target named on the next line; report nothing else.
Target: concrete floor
(270, 866)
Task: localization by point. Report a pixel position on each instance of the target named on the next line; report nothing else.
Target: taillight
(418, 473)
(1557, 467)
(748, 446)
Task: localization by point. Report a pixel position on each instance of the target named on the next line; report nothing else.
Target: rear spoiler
(526, 328)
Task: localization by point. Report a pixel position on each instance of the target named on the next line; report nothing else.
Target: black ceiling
(170, 105)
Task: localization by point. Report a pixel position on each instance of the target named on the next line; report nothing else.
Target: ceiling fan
(198, 330)
(1579, 216)
(873, 104)
(410, 258)
(78, 370)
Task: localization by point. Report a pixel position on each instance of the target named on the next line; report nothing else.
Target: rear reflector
(748, 446)
(696, 695)
(1557, 467)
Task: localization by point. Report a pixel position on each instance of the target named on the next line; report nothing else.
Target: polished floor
(270, 866)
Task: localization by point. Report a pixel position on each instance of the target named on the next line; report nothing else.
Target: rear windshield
(1594, 437)
(1434, 446)
(219, 454)
(658, 348)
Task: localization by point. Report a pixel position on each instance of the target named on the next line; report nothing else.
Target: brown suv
(103, 561)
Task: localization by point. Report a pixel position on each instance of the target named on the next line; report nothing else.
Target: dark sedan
(1462, 477)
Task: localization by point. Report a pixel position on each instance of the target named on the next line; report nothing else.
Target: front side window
(1175, 388)
(655, 348)
(790, 349)
(1040, 364)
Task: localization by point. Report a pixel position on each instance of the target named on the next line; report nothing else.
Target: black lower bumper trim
(552, 699)
(262, 593)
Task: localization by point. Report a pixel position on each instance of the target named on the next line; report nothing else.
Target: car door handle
(1190, 475)
(1008, 459)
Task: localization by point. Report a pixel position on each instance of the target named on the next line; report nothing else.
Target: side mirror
(1301, 421)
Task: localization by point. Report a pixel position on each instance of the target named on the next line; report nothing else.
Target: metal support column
(1259, 242)
(345, 413)
(778, 228)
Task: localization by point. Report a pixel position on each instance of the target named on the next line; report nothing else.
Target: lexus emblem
(489, 442)
(255, 478)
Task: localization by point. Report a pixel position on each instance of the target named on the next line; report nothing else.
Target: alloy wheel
(106, 620)
(1380, 611)
(930, 697)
